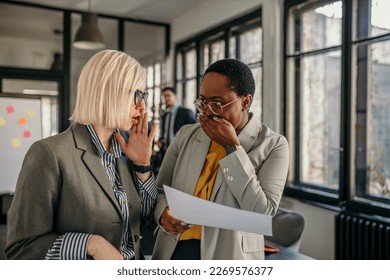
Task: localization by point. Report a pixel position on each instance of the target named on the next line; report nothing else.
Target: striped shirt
(73, 245)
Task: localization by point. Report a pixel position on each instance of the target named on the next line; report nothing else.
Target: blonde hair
(106, 88)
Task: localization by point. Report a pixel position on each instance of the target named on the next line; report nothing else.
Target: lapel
(247, 138)
(125, 168)
(197, 158)
(93, 163)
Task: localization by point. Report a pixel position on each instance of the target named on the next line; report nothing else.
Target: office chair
(287, 228)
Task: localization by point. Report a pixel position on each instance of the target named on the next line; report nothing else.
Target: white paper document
(194, 210)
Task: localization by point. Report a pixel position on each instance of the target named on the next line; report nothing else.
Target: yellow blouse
(205, 184)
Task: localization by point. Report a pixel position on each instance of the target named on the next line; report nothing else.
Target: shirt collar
(115, 147)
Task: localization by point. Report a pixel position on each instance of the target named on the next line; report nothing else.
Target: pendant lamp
(89, 37)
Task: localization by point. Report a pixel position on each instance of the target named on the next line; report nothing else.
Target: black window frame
(349, 196)
(224, 31)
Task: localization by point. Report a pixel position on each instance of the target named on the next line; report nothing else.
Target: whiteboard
(20, 127)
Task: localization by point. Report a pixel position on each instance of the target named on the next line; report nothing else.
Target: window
(371, 44)
(316, 53)
(29, 37)
(240, 39)
(153, 86)
(338, 98)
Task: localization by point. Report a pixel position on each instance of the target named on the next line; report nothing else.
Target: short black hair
(239, 74)
(169, 88)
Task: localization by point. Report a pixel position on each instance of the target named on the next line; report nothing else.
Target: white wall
(318, 239)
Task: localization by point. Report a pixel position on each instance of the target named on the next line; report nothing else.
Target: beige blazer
(63, 187)
(251, 178)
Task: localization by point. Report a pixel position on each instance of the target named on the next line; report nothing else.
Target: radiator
(361, 237)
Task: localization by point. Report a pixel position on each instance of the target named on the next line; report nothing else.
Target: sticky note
(10, 109)
(22, 121)
(2, 121)
(31, 114)
(26, 134)
(15, 143)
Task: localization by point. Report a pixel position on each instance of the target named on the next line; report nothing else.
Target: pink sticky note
(10, 109)
(26, 134)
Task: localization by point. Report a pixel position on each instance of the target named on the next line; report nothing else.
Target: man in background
(174, 117)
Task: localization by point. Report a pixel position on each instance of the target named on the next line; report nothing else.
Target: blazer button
(230, 178)
(226, 170)
(136, 238)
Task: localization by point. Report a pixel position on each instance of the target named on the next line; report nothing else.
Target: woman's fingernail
(215, 118)
(183, 224)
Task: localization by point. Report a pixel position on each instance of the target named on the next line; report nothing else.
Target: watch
(143, 168)
(232, 148)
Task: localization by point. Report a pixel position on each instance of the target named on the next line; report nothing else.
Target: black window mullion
(199, 66)
(362, 60)
(227, 36)
(121, 34)
(297, 92)
(345, 103)
(238, 46)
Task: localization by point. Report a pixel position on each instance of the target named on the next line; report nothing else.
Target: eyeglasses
(139, 96)
(215, 107)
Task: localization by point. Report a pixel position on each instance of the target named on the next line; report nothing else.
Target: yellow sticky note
(2, 121)
(22, 121)
(31, 114)
(15, 143)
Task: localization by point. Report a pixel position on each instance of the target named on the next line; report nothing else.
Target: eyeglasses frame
(217, 102)
(144, 96)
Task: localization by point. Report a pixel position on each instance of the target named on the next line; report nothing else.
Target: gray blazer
(251, 178)
(62, 187)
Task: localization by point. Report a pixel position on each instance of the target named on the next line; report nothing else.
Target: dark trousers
(187, 250)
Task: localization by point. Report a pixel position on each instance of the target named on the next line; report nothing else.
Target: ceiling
(39, 24)
(157, 10)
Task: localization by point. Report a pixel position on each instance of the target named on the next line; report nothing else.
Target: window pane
(157, 74)
(251, 46)
(149, 76)
(232, 47)
(157, 103)
(378, 166)
(380, 20)
(256, 106)
(190, 94)
(190, 64)
(179, 92)
(217, 51)
(179, 68)
(29, 37)
(150, 103)
(320, 119)
(144, 42)
(321, 27)
(206, 61)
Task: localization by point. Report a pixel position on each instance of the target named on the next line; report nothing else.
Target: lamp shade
(89, 37)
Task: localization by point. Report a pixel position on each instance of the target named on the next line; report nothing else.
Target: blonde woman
(83, 193)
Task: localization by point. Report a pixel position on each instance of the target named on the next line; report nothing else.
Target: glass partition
(30, 37)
